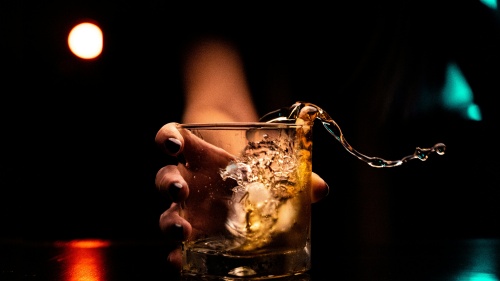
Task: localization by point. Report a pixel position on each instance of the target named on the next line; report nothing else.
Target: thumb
(319, 188)
(199, 153)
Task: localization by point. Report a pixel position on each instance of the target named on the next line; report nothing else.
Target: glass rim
(238, 125)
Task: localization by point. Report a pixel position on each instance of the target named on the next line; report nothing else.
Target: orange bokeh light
(85, 40)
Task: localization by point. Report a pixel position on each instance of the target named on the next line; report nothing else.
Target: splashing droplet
(303, 112)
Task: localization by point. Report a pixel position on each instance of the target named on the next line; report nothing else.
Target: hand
(171, 181)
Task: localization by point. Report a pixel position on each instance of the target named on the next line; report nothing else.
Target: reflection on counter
(103, 260)
(483, 262)
(82, 260)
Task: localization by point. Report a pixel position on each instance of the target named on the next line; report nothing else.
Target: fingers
(173, 225)
(319, 188)
(170, 181)
(175, 259)
(169, 139)
(176, 229)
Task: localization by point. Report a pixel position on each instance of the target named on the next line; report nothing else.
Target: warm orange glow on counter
(83, 260)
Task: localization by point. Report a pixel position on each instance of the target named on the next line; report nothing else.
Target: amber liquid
(267, 229)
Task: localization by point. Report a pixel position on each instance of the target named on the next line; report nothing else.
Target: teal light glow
(482, 263)
(457, 95)
(474, 113)
(490, 3)
(477, 276)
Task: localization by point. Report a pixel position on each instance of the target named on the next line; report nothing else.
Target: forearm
(215, 85)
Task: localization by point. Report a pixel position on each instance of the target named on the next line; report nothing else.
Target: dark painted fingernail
(174, 191)
(172, 145)
(178, 232)
(327, 189)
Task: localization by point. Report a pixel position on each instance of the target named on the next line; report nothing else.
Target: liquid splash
(303, 112)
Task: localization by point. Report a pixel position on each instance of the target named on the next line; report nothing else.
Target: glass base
(201, 277)
(200, 264)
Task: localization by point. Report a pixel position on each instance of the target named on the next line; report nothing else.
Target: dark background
(78, 153)
(78, 144)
